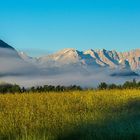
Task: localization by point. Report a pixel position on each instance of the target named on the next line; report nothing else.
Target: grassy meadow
(79, 115)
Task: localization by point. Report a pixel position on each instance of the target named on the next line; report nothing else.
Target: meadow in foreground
(79, 115)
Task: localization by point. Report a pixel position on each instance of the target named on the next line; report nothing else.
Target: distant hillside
(5, 45)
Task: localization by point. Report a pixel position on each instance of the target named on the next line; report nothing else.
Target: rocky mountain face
(94, 58)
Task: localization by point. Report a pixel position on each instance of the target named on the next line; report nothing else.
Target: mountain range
(121, 61)
(70, 64)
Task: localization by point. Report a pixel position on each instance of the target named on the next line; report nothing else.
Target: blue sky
(39, 27)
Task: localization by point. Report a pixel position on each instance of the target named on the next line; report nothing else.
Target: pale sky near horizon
(38, 27)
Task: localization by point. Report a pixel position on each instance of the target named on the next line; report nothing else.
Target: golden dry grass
(106, 114)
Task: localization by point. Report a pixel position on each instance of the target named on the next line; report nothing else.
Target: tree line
(127, 85)
(10, 88)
